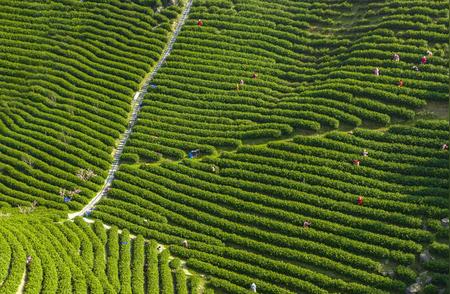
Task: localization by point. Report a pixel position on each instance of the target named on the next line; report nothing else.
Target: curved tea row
(69, 71)
(39, 255)
(304, 66)
(244, 212)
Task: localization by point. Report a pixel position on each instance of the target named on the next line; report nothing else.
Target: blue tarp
(194, 153)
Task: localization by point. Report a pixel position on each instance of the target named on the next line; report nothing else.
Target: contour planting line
(137, 104)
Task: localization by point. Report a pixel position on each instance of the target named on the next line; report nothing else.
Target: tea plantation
(224, 146)
(75, 257)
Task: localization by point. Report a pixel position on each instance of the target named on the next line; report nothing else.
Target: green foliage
(440, 280)
(112, 248)
(194, 284)
(309, 175)
(57, 266)
(430, 289)
(66, 90)
(175, 263)
(180, 282)
(129, 158)
(66, 115)
(440, 249)
(152, 273)
(438, 266)
(125, 262)
(138, 265)
(405, 274)
(165, 273)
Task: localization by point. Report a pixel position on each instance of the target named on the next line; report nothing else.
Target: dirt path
(22, 283)
(136, 106)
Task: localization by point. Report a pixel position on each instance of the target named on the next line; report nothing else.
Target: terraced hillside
(282, 147)
(314, 62)
(69, 70)
(75, 257)
(243, 212)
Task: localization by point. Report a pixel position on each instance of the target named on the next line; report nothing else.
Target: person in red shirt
(356, 162)
(200, 23)
(400, 83)
(423, 60)
(360, 200)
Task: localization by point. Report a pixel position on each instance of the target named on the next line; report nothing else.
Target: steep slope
(69, 71)
(41, 256)
(314, 63)
(244, 212)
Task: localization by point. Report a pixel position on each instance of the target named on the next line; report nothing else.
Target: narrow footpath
(21, 287)
(136, 107)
